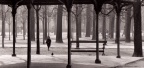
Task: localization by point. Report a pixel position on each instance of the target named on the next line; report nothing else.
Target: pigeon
(52, 53)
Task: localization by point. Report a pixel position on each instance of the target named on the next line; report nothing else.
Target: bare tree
(111, 23)
(32, 24)
(94, 26)
(46, 21)
(88, 23)
(59, 24)
(4, 12)
(3, 25)
(43, 26)
(104, 24)
(128, 24)
(9, 23)
(77, 14)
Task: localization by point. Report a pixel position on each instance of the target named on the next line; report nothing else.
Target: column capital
(98, 5)
(68, 4)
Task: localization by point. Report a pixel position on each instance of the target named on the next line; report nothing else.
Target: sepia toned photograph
(71, 33)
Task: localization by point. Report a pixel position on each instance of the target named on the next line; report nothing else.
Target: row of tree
(82, 20)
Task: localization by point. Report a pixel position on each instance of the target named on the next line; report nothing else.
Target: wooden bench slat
(84, 41)
(86, 50)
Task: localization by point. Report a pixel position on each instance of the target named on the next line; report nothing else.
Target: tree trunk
(132, 28)
(94, 26)
(79, 20)
(77, 25)
(77, 32)
(111, 25)
(45, 22)
(48, 28)
(79, 29)
(9, 26)
(55, 24)
(32, 25)
(9, 31)
(59, 24)
(104, 27)
(88, 23)
(104, 24)
(3, 21)
(3, 26)
(72, 27)
(138, 52)
(24, 29)
(48, 22)
(128, 25)
(43, 27)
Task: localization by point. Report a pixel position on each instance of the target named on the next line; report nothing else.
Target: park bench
(89, 49)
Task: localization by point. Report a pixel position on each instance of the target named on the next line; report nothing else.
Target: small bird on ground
(52, 53)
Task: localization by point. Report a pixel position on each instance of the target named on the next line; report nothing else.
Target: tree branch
(108, 12)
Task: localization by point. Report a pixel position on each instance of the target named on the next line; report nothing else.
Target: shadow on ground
(48, 65)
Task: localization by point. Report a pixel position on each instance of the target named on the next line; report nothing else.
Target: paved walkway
(135, 64)
(110, 44)
(60, 61)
